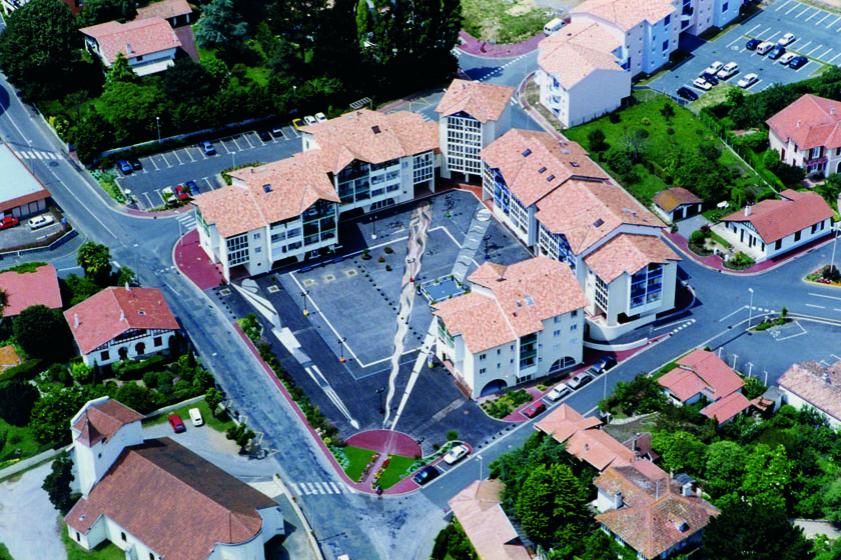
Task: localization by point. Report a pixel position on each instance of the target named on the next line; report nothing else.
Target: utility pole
(750, 308)
(481, 469)
(836, 227)
(158, 123)
(342, 349)
(304, 297)
(733, 367)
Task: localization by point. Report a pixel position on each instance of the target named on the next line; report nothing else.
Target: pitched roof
(675, 197)
(135, 38)
(267, 194)
(8, 357)
(640, 482)
(189, 505)
(25, 289)
(564, 421)
(165, 9)
(577, 50)
(816, 384)
(810, 122)
(101, 419)
(627, 14)
(489, 530)
(515, 301)
(713, 371)
(727, 407)
(483, 102)
(585, 212)
(628, 254)
(20, 185)
(775, 219)
(682, 383)
(372, 137)
(114, 311)
(534, 163)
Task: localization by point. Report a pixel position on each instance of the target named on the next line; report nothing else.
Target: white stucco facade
(598, 93)
(134, 344)
(795, 400)
(462, 138)
(697, 16)
(745, 238)
(143, 65)
(824, 160)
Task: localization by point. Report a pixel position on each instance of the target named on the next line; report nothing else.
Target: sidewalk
(194, 263)
(472, 45)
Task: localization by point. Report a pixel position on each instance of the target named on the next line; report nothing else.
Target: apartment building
(696, 16)
(472, 115)
(518, 323)
(807, 134)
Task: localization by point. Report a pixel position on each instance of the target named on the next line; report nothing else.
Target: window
(258, 249)
(105, 355)
(574, 313)
(778, 245)
(123, 536)
(78, 537)
(498, 351)
(151, 556)
(482, 370)
(725, 6)
(665, 45)
(814, 228)
(157, 341)
(573, 328)
(797, 236)
(838, 151)
(668, 19)
(482, 357)
(256, 235)
(557, 333)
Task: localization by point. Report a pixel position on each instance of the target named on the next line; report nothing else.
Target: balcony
(821, 160)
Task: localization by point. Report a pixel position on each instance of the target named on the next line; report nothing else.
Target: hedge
(25, 371)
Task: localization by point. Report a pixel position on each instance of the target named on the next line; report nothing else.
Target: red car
(182, 192)
(534, 409)
(8, 222)
(176, 423)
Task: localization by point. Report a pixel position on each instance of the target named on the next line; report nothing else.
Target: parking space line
(209, 184)
(804, 66)
(820, 21)
(225, 146)
(783, 5)
(819, 47)
(163, 157)
(801, 47)
(752, 29)
(245, 136)
(833, 22)
(154, 163)
(803, 12)
(771, 37)
(736, 40)
(763, 32)
(161, 195)
(175, 153)
(239, 148)
(796, 5)
(260, 139)
(294, 132)
(149, 199)
(821, 57)
(186, 151)
(833, 58)
(813, 15)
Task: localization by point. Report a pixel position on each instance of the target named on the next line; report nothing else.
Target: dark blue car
(752, 44)
(124, 166)
(797, 62)
(192, 186)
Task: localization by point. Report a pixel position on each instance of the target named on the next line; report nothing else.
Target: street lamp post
(342, 349)
(304, 297)
(481, 469)
(750, 308)
(374, 225)
(380, 394)
(158, 124)
(834, 245)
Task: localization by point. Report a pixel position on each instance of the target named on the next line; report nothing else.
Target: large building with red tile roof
(121, 323)
(22, 193)
(176, 12)
(807, 134)
(773, 227)
(518, 323)
(25, 289)
(190, 509)
(149, 45)
(814, 385)
(471, 116)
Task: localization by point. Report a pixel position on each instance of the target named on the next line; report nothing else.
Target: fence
(54, 245)
(748, 368)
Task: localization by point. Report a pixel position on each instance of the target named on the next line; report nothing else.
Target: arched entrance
(563, 363)
(123, 352)
(493, 387)
(140, 348)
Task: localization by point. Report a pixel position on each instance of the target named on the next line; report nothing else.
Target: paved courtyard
(29, 524)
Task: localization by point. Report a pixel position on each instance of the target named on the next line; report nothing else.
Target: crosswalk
(319, 488)
(37, 154)
(187, 221)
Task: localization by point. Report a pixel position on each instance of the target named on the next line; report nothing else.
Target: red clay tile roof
(483, 102)
(101, 420)
(640, 482)
(8, 357)
(628, 254)
(534, 163)
(25, 289)
(727, 407)
(165, 9)
(564, 421)
(779, 218)
(515, 302)
(135, 38)
(113, 311)
(489, 530)
(816, 384)
(577, 50)
(178, 504)
(810, 122)
(627, 14)
(682, 383)
(674, 197)
(715, 373)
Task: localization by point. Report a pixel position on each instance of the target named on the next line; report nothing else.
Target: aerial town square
(420, 279)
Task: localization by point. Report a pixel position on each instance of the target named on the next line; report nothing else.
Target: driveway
(29, 525)
(687, 226)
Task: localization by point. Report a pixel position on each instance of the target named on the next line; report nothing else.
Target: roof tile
(577, 50)
(816, 384)
(483, 102)
(135, 38)
(628, 254)
(810, 122)
(25, 289)
(672, 198)
(775, 219)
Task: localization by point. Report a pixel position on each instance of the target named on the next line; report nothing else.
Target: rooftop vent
(527, 152)
(529, 300)
(550, 178)
(129, 50)
(542, 170)
(141, 312)
(598, 223)
(267, 188)
(376, 129)
(574, 164)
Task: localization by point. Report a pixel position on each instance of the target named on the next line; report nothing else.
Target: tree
(57, 483)
(100, 11)
(667, 110)
(832, 501)
(451, 542)
(45, 66)
(598, 546)
(126, 277)
(202, 380)
(91, 134)
(219, 25)
(724, 467)
(95, 260)
(596, 140)
(790, 175)
(299, 21)
(753, 532)
(641, 395)
(81, 373)
(16, 402)
(120, 71)
(620, 163)
(830, 189)
(768, 474)
(131, 109)
(550, 501)
(42, 333)
(241, 434)
(213, 398)
(681, 451)
(50, 420)
(137, 397)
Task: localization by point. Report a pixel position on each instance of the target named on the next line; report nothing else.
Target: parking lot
(818, 35)
(22, 235)
(190, 163)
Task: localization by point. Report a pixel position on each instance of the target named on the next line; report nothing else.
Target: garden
(505, 403)
(501, 21)
(827, 274)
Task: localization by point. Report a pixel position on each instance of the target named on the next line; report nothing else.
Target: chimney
(128, 286)
(122, 315)
(698, 492)
(797, 124)
(748, 210)
(826, 378)
(129, 50)
(76, 320)
(686, 489)
(617, 500)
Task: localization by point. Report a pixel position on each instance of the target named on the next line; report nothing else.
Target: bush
(452, 435)
(135, 369)
(16, 402)
(739, 261)
(25, 371)
(43, 333)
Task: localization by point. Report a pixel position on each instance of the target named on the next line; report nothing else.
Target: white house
(772, 227)
(177, 12)
(807, 134)
(149, 45)
(518, 323)
(121, 324)
(155, 499)
(696, 16)
(472, 115)
(676, 204)
(814, 385)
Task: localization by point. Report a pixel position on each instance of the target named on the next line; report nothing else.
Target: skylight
(527, 152)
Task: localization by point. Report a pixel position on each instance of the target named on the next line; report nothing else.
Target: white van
(195, 417)
(553, 26)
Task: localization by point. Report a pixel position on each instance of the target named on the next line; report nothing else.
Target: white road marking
(239, 148)
(175, 153)
(833, 58)
(822, 19)
(773, 35)
(149, 199)
(751, 30)
(803, 46)
(816, 306)
(804, 66)
(803, 12)
(336, 488)
(819, 47)
(833, 22)
(824, 296)
(189, 155)
(245, 136)
(811, 16)
(821, 57)
(163, 157)
(783, 5)
(794, 7)
(731, 314)
(209, 184)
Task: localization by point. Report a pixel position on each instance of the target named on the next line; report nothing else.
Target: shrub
(381, 259)
(25, 371)
(739, 261)
(388, 250)
(670, 131)
(452, 435)
(614, 117)
(126, 369)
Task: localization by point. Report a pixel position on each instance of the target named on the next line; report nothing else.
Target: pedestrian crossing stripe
(36, 154)
(318, 488)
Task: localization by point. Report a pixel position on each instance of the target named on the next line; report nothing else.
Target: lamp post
(342, 349)
(380, 394)
(481, 469)
(304, 297)
(374, 225)
(834, 245)
(158, 124)
(750, 308)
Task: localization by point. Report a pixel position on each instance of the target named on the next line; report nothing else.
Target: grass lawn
(4, 553)
(503, 21)
(220, 424)
(358, 459)
(102, 552)
(504, 404)
(688, 133)
(19, 438)
(624, 432)
(395, 471)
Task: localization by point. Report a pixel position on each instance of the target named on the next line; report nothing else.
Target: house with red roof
(807, 134)
(772, 227)
(24, 289)
(676, 204)
(814, 385)
(121, 324)
(149, 45)
(156, 499)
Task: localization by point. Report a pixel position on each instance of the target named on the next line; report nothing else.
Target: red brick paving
(194, 263)
(386, 442)
(474, 46)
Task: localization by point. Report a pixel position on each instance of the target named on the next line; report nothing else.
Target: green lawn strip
(357, 460)
(395, 471)
(220, 424)
(493, 20)
(720, 240)
(18, 437)
(4, 553)
(102, 552)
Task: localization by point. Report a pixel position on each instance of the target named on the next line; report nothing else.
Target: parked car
(426, 475)
(195, 417)
(711, 79)
(208, 148)
(727, 71)
(298, 124)
(456, 454)
(686, 93)
(8, 222)
(797, 62)
(764, 47)
(534, 409)
(777, 52)
(40, 221)
(787, 57)
(310, 120)
(176, 423)
(701, 83)
(580, 380)
(558, 392)
(320, 117)
(714, 67)
(264, 135)
(124, 166)
(748, 81)
(192, 187)
(752, 44)
(135, 164)
(182, 192)
(605, 363)
(787, 39)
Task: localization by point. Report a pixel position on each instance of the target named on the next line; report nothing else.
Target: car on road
(777, 52)
(714, 67)
(580, 380)
(787, 57)
(456, 454)
(135, 164)
(264, 135)
(40, 221)
(124, 166)
(209, 149)
(727, 71)
(686, 93)
(787, 39)
(701, 83)
(534, 409)
(182, 192)
(747, 81)
(195, 417)
(711, 79)
(558, 392)
(320, 117)
(8, 222)
(426, 475)
(797, 62)
(752, 44)
(298, 124)
(310, 120)
(176, 423)
(192, 187)
(604, 363)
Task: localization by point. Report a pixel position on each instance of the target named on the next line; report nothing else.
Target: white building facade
(807, 134)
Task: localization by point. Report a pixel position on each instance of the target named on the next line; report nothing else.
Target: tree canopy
(220, 25)
(57, 483)
(42, 333)
(95, 260)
